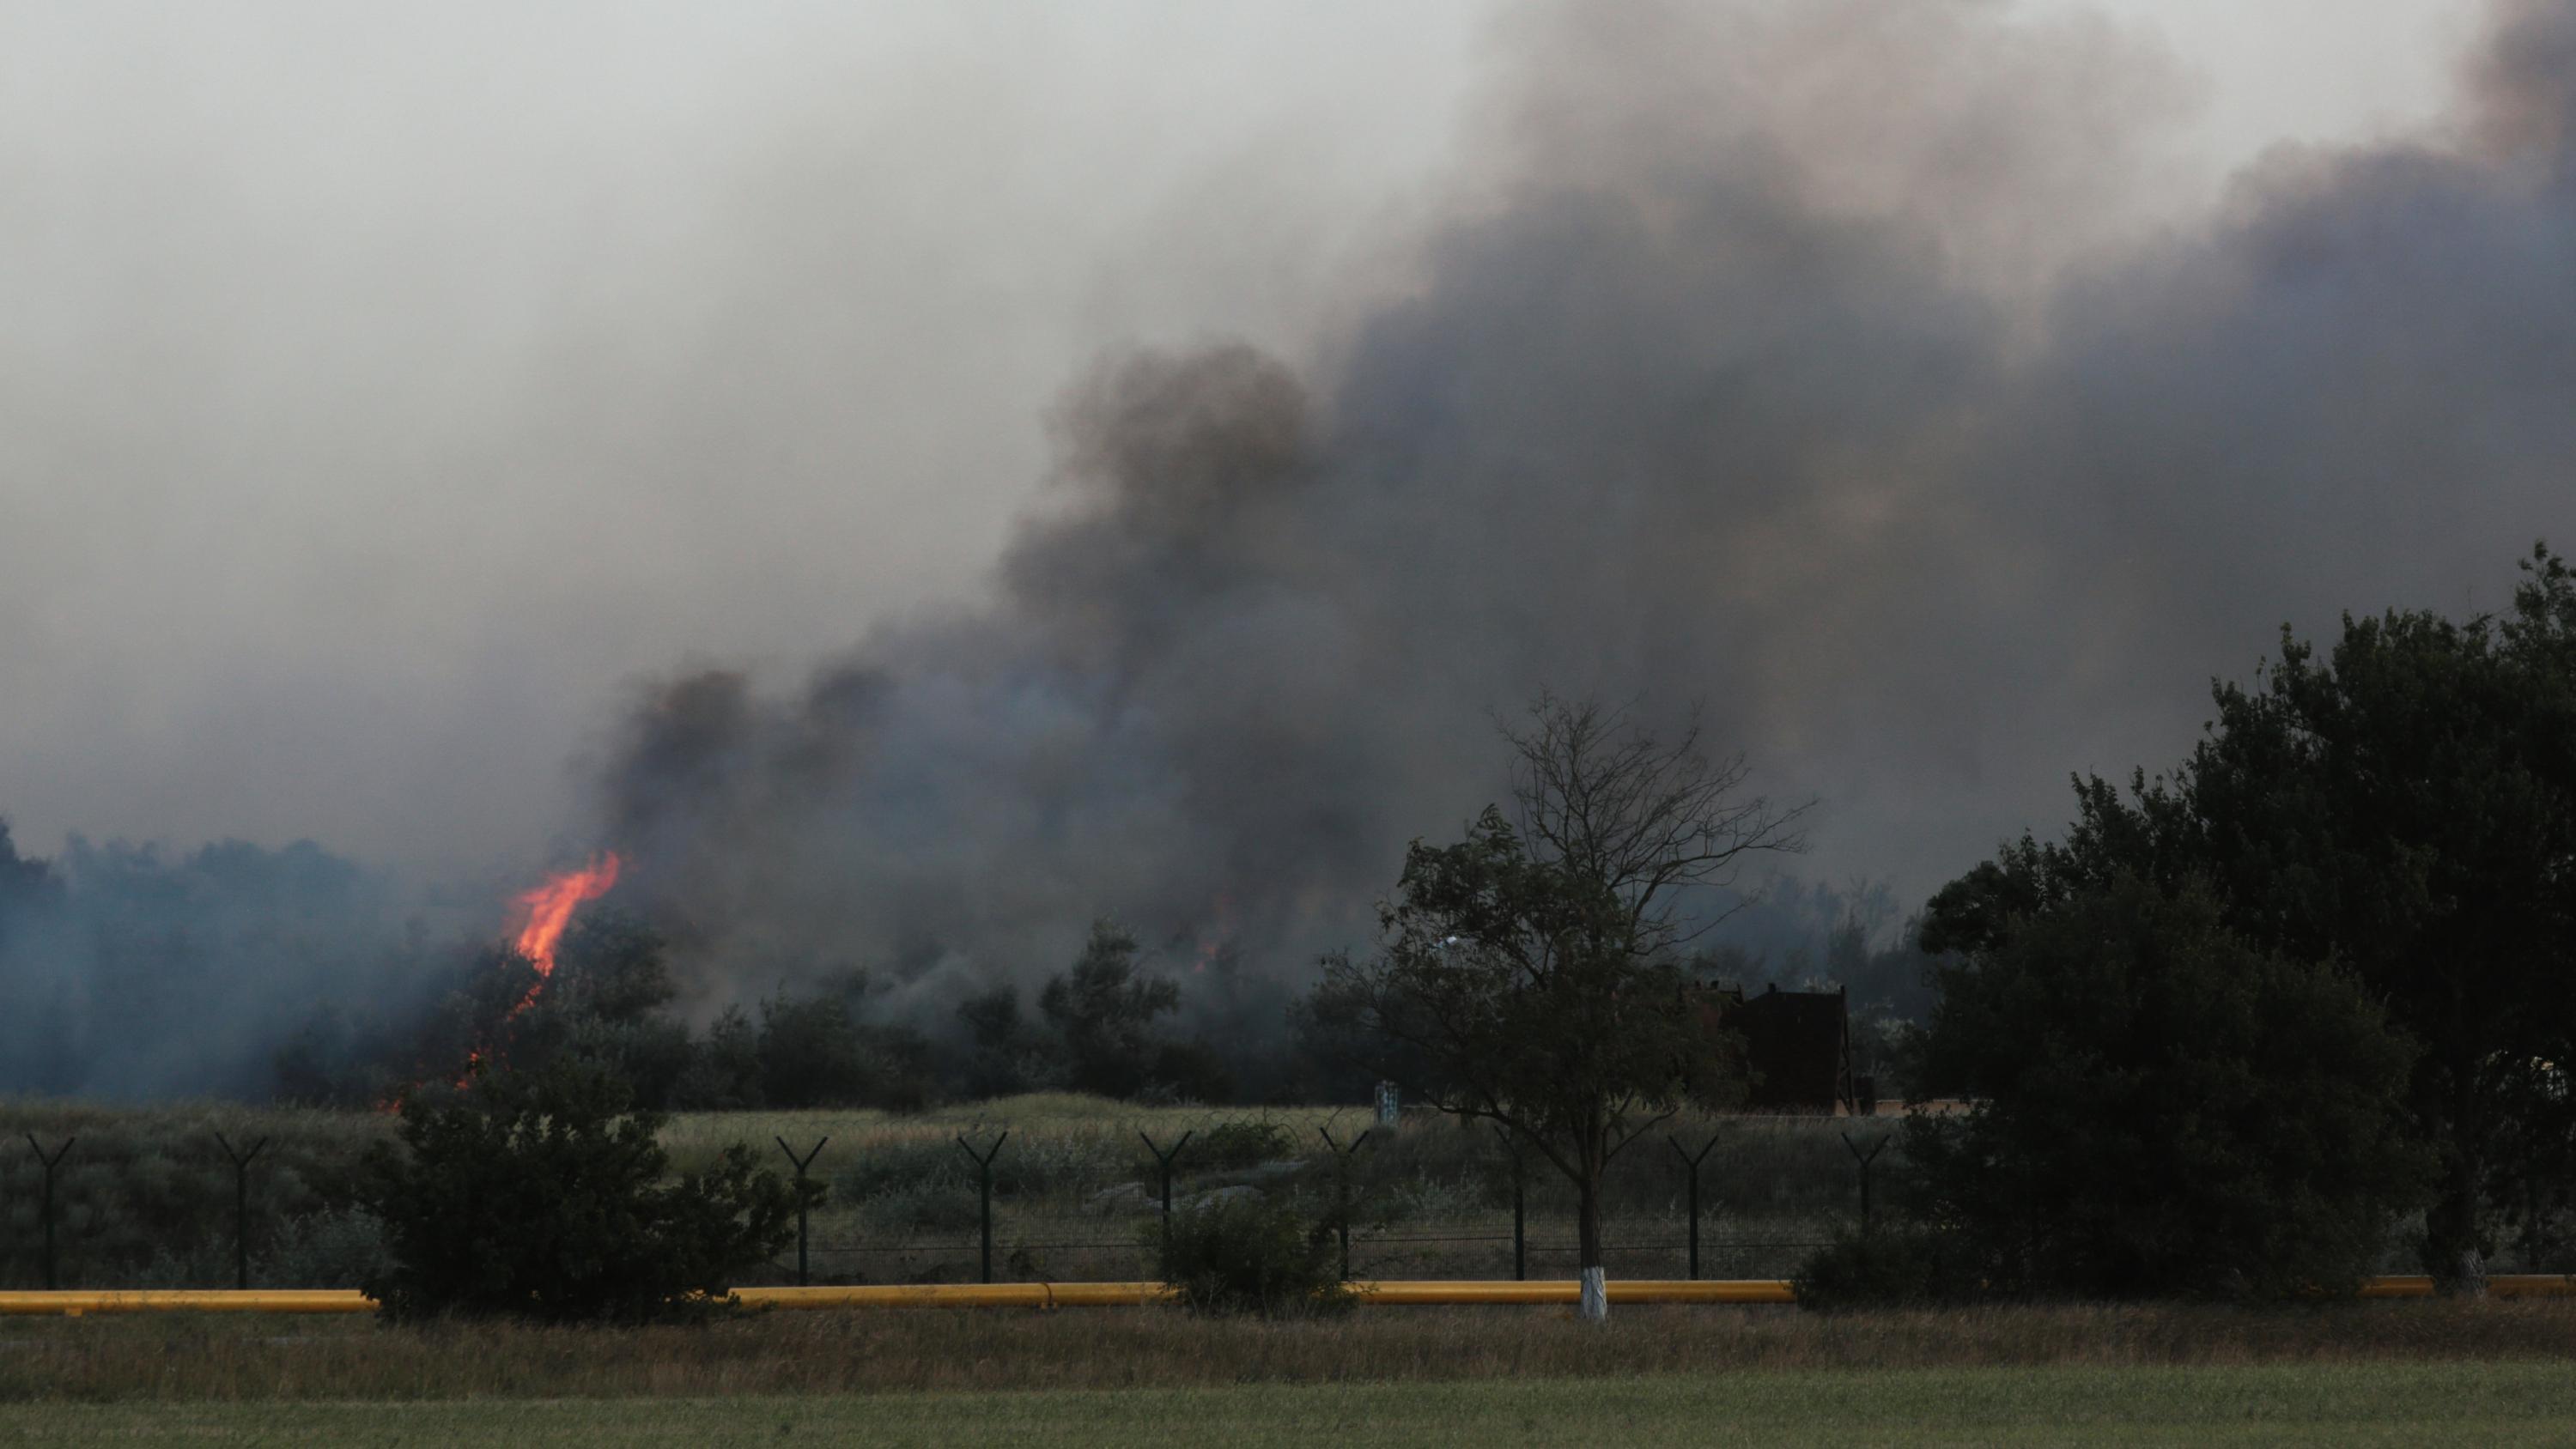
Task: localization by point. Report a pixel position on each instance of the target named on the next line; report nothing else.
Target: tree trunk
(2451, 1230)
(2451, 1223)
(1595, 1305)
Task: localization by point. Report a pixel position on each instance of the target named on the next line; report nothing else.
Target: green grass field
(2350, 1404)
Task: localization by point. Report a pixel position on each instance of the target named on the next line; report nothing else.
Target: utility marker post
(1342, 1189)
(241, 1207)
(51, 1281)
(1164, 1160)
(984, 1181)
(801, 1164)
(1692, 1162)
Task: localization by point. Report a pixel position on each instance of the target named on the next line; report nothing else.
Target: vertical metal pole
(1691, 1161)
(1520, 1205)
(1520, 1214)
(1342, 1213)
(1342, 1189)
(1864, 1159)
(241, 1207)
(801, 1196)
(51, 1279)
(1165, 1160)
(1694, 1222)
(984, 1194)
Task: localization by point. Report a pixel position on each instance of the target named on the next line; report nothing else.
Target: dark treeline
(294, 974)
(1111, 1023)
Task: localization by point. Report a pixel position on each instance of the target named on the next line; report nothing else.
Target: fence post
(801, 1164)
(51, 1281)
(984, 1182)
(1692, 1162)
(1865, 1159)
(1342, 1188)
(1164, 1159)
(241, 1207)
(1520, 1241)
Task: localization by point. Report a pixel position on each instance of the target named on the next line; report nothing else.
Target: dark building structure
(1798, 1047)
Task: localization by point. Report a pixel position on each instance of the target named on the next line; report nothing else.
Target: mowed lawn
(2361, 1403)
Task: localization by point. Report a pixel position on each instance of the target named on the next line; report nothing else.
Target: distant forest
(236, 970)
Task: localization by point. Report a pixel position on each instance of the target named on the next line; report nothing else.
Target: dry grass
(241, 1359)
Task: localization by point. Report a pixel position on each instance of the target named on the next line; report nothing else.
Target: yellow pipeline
(957, 1295)
(72, 1303)
(1384, 1292)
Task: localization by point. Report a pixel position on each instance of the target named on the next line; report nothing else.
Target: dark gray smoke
(1788, 362)
(134, 971)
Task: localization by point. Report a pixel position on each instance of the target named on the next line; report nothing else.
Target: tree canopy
(2404, 805)
(2161, 1108)
(1531, 974)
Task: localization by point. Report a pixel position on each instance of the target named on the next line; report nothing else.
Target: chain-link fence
(229, 1198)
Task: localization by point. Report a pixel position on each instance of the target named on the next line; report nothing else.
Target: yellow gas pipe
(1384, 1292)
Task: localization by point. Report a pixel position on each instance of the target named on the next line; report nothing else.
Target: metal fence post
(1692, 1162)
(984, 1181)
(1865, 1159)
(1342, 1188)
(241, 1207)
(51, 1280)
(1164, 1160)
(801, 1164)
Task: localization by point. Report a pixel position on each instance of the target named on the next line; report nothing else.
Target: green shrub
(336, 1249)
(1899, 1268)
(1248, 1255)
(929, 1206)
(1235, 1145)
(542, 1195)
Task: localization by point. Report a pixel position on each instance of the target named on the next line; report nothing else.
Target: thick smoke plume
(1803, 363)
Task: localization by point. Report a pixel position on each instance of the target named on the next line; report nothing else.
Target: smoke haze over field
(1879, 376)
(1792, 361)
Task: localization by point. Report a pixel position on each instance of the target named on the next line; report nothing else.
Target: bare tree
(1531, 974)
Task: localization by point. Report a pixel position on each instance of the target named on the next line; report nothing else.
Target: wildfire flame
(550, 907)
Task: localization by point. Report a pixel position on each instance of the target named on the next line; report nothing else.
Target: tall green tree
(1532, 974)
(1104, 1010)
(2161, 1109)
(2406, 805)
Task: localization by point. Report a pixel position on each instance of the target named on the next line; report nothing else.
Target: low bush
(543, 1195)
(1231, 1146)
(932, 1207)
(1247, 1255)
(1904, 1267)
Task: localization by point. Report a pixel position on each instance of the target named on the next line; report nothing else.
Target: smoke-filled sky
(920, 475)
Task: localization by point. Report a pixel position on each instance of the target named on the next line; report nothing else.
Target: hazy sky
(385, 390)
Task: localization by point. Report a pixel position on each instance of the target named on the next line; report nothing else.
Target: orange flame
(550, 907)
